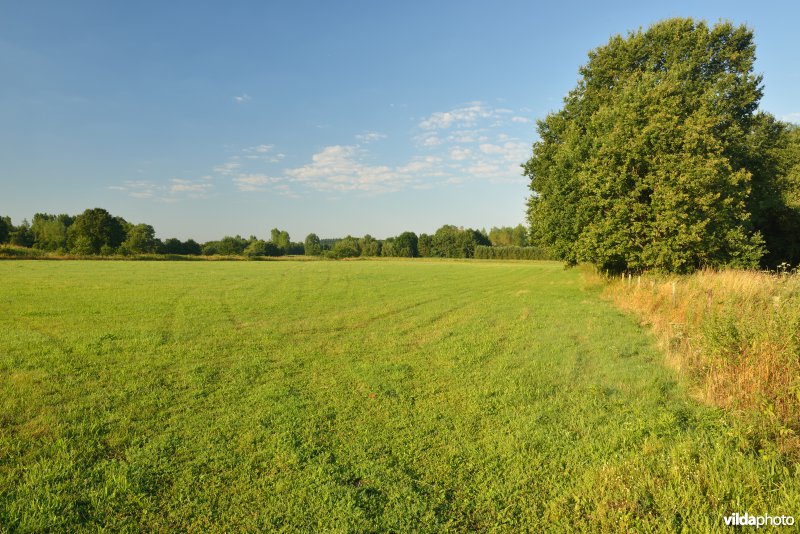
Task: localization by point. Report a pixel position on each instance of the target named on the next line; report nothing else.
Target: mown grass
(736, 335)
(352, 396)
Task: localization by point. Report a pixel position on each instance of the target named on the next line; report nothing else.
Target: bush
(346, 248)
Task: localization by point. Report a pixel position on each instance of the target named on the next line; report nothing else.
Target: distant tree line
(97, 232)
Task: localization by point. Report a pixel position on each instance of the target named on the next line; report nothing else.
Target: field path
(360, 396)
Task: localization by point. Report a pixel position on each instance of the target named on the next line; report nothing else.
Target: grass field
(352, 396)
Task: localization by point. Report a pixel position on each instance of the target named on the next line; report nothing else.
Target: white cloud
(144, 189)
(792, 117)
(262, 153)
(429, 141)
(253, 182)
(341, 168)
(459, 154)
(138, 188)
(227, 169)
(464, 116)
(241, 99)
(189, 186)
(488, 148)
(466, 143)
(369, 137)
(428, 164)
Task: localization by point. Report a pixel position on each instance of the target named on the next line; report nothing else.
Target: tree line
(97, 232)
(660, 159)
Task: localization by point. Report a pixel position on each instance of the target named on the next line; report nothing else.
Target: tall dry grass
(735, 334)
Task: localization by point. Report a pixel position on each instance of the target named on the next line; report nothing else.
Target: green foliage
(346, 248)
(16, 252)
(295, 249)
(644, 167)
(773, 156)
(173, 246)
(5, 229)
(387, 248)
(82, 245)
(369, 246)
(176, 246)
(93, 230)
(22, 236)
(50, 231)
(507, 236)
(312, 246)
(405, 245)
(453, 242)
(281, 239)
(231, 246)
(191, 247)
(141, 239)
(425, 245)
(259, 247)
(483, 252)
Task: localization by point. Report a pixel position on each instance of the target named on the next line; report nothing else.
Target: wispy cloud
(369, 137)
(253, 182)
(189, 186)
(458, 153)
(241, 99)
(792, 117)
(263, 153)
(460, 117)
(227, 169)
(476, 139)
(170, 192)
(343, 168)
(475, 142)
(339, 168)
(467, 143)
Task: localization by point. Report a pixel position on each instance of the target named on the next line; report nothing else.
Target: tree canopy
(95, 231)
(312, 245)
(656, 161)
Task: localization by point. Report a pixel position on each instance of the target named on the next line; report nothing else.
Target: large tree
(646, 165)
(281, 239)
(5, 229)
(95, 231)
(346, 248)
(50, 231)
(405, 245)
(369, 246)
(311, 246)
(141, 239)
(453, 242)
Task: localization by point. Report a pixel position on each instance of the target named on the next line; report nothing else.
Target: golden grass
(736, 336)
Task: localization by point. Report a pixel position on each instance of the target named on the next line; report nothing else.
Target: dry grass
(735, 334)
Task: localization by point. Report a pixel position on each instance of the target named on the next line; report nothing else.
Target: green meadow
(363, 396)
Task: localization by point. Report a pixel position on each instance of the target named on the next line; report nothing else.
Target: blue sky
(328, 117)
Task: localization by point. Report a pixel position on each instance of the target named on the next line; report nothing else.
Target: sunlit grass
(735, 334)
(351, 396)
